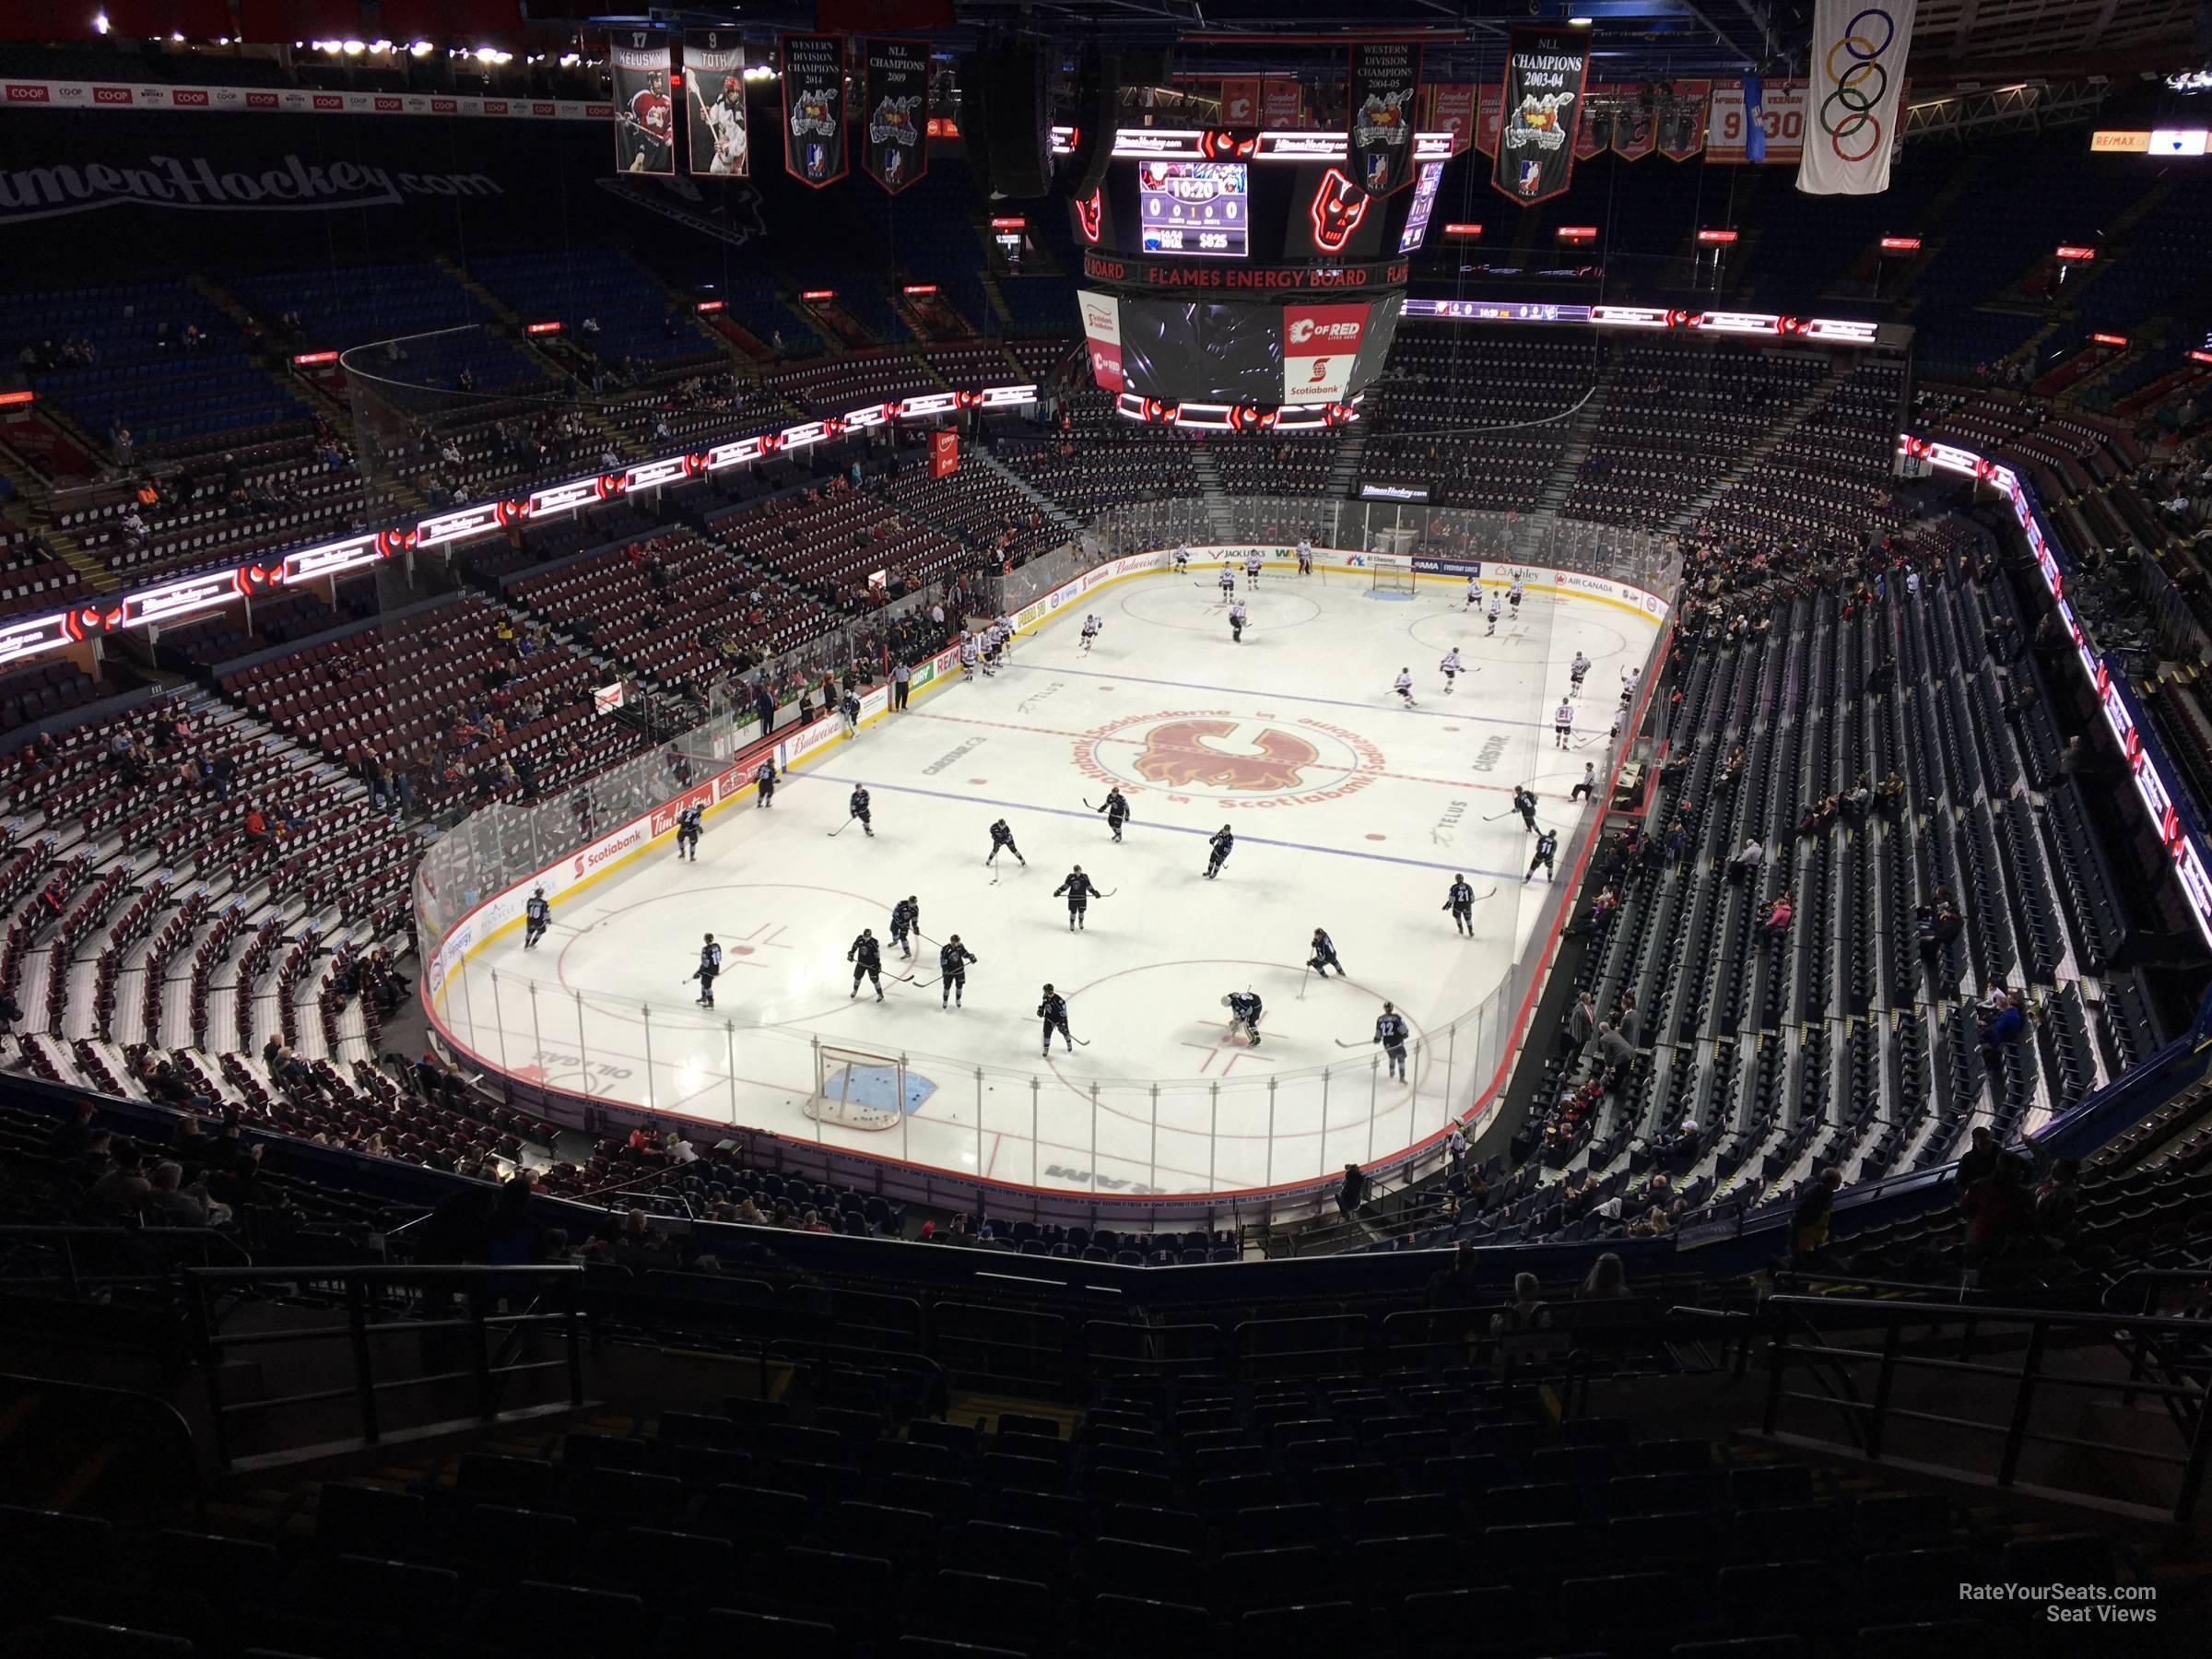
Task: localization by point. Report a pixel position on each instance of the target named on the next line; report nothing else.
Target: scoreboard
(1194, 207)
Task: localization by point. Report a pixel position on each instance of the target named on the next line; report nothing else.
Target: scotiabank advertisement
(1102, 329)
(1321, 344)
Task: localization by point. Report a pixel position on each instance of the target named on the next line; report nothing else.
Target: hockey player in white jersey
(1403, 686)
(1091, 627)
(1449, 668)
(1496, 605)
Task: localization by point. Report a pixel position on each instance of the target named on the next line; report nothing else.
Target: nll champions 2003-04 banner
(894, 112)
(644, 118)
(714, 100)
(1545, 73)
(1386, 79)
(813, 108)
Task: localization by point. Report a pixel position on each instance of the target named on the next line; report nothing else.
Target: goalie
(1243, 1011)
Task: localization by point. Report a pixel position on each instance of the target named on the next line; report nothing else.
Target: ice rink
(1351, 813)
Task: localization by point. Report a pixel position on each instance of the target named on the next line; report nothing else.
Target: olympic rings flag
(1852, 105)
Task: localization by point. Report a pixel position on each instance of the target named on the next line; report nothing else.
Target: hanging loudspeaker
(1015, 121)
(1097, 106)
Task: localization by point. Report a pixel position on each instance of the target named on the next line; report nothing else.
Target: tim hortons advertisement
(1544, 72)
(1321, 344)
(714, 102)
(813, 108)
(644, 114)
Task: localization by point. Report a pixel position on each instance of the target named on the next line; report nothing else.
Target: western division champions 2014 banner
(714, 100)
(1545, 73)
(1386, 79)
(1858, 77)
(644, 119)
(894, 112)
(814, 107)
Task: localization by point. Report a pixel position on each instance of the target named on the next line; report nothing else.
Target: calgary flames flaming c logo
(1180, 753)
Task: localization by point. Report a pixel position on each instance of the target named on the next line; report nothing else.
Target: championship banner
(1452, 110)
(944, 451)
(1320, 343)
(1858, 76)
(814, 107)
(1545, 73)
(714, 100)
(1103, 332)
(1282, 104)
(1682, 117)
(1594, 126)
(894, 103)
(1241, 103)
(1386, 79)
(644, 119)
(1489, 116)
(1770, 126)
(1635, 123)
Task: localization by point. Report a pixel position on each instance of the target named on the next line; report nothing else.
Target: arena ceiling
(1956, 39)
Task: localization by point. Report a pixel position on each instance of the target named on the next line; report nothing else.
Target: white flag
(1853, 106)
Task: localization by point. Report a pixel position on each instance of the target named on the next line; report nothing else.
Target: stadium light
(100, 23)
(569, 60)
(420, 49)
(355, 48)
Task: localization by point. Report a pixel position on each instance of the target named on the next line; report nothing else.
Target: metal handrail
(1871, 1418)
(482, 1283)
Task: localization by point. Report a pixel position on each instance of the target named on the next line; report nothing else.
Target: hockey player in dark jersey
(849, 706)
(1392, 1031)
(764, 783)
(952, 962)
(906, 919)
(1116, 810)
(538, 916)
(1244, 1012)
(1460, 901)
(866, 958)
(1525, 802)
(1078, 889)
(686, 832)
(858, 806)
(1053, 1010)
(1546, 845)
(1002, 840)
(1324, 955)
(710, 965)
(1223, 842)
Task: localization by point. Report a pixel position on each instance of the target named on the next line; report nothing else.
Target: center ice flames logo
(1180, 753)
(1255, 760)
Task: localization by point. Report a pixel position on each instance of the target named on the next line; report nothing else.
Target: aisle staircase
(1775, 436)
(1344, 471)
(1579, 436)
(1219, 515)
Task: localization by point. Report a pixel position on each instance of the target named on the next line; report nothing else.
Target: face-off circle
(1236, 760)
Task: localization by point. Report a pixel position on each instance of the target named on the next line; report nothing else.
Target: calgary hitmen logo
(1211, 754)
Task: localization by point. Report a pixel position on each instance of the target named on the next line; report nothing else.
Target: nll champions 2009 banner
(714, 100)
(894, 112)
(1544, 72)
(644, 118)
(1852, 106)
(1386, 79)
(814, 107)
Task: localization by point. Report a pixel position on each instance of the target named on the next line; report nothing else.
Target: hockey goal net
(861, 1091)
(1390, 573)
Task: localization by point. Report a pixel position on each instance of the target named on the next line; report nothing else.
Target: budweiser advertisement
(1102, 331)
(1320, 343)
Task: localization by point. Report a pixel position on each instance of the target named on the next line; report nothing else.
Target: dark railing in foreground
(1861, 1383)
(480, 1287)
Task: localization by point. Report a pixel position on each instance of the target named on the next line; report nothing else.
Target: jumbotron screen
(1309, 352)
(1195, 207)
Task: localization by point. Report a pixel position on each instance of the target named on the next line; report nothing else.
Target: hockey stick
(1496, 816)
(1340, 1043)
(1084, 1041)
(850, 821)
(1103, 892)
(1491, 894)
